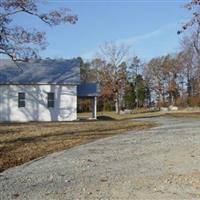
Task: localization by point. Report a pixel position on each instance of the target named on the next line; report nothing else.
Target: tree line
(172, 79)
(128, 83)
(125, 82)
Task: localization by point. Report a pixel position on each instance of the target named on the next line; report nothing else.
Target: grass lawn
(114, 116)
(22, 142)
(185, 114)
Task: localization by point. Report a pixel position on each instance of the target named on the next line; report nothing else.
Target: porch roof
(88, 90)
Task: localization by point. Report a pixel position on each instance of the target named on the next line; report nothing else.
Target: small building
(42, 90)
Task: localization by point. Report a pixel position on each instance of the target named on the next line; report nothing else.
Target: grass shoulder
(22, 142)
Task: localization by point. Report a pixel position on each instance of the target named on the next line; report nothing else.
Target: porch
(89, 92)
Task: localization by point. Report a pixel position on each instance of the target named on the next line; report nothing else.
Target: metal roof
(47, 71)
(88, 90)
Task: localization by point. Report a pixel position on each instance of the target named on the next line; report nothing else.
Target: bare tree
(114, 71)
(194, 7)
(163, 75)
(19, 43)
(190, 59)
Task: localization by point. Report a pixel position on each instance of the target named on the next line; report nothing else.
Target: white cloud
(147, 36)
(139, 39)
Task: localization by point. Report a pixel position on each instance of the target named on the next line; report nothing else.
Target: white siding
(65, 108)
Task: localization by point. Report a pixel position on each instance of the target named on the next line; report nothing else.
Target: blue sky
(149, 27)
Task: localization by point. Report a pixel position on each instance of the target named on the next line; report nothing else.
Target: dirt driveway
(159, 163)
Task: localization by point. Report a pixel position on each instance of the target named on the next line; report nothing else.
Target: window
(21, 99)
(50, 100)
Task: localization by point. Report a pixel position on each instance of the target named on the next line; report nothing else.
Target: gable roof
(46, 71)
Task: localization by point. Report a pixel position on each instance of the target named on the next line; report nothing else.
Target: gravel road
(158, 163)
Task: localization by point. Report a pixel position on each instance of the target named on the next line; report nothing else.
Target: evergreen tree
(129, 96)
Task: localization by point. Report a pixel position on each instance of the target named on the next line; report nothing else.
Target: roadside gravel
(158, 163)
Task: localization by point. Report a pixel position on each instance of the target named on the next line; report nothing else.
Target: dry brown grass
(114, 116)
(184, 114)
(22, 142)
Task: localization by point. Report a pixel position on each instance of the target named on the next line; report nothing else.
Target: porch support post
(94, 108)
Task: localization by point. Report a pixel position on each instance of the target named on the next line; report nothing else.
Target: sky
(149, 27)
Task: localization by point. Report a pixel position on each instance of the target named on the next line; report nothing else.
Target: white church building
(42, 90)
